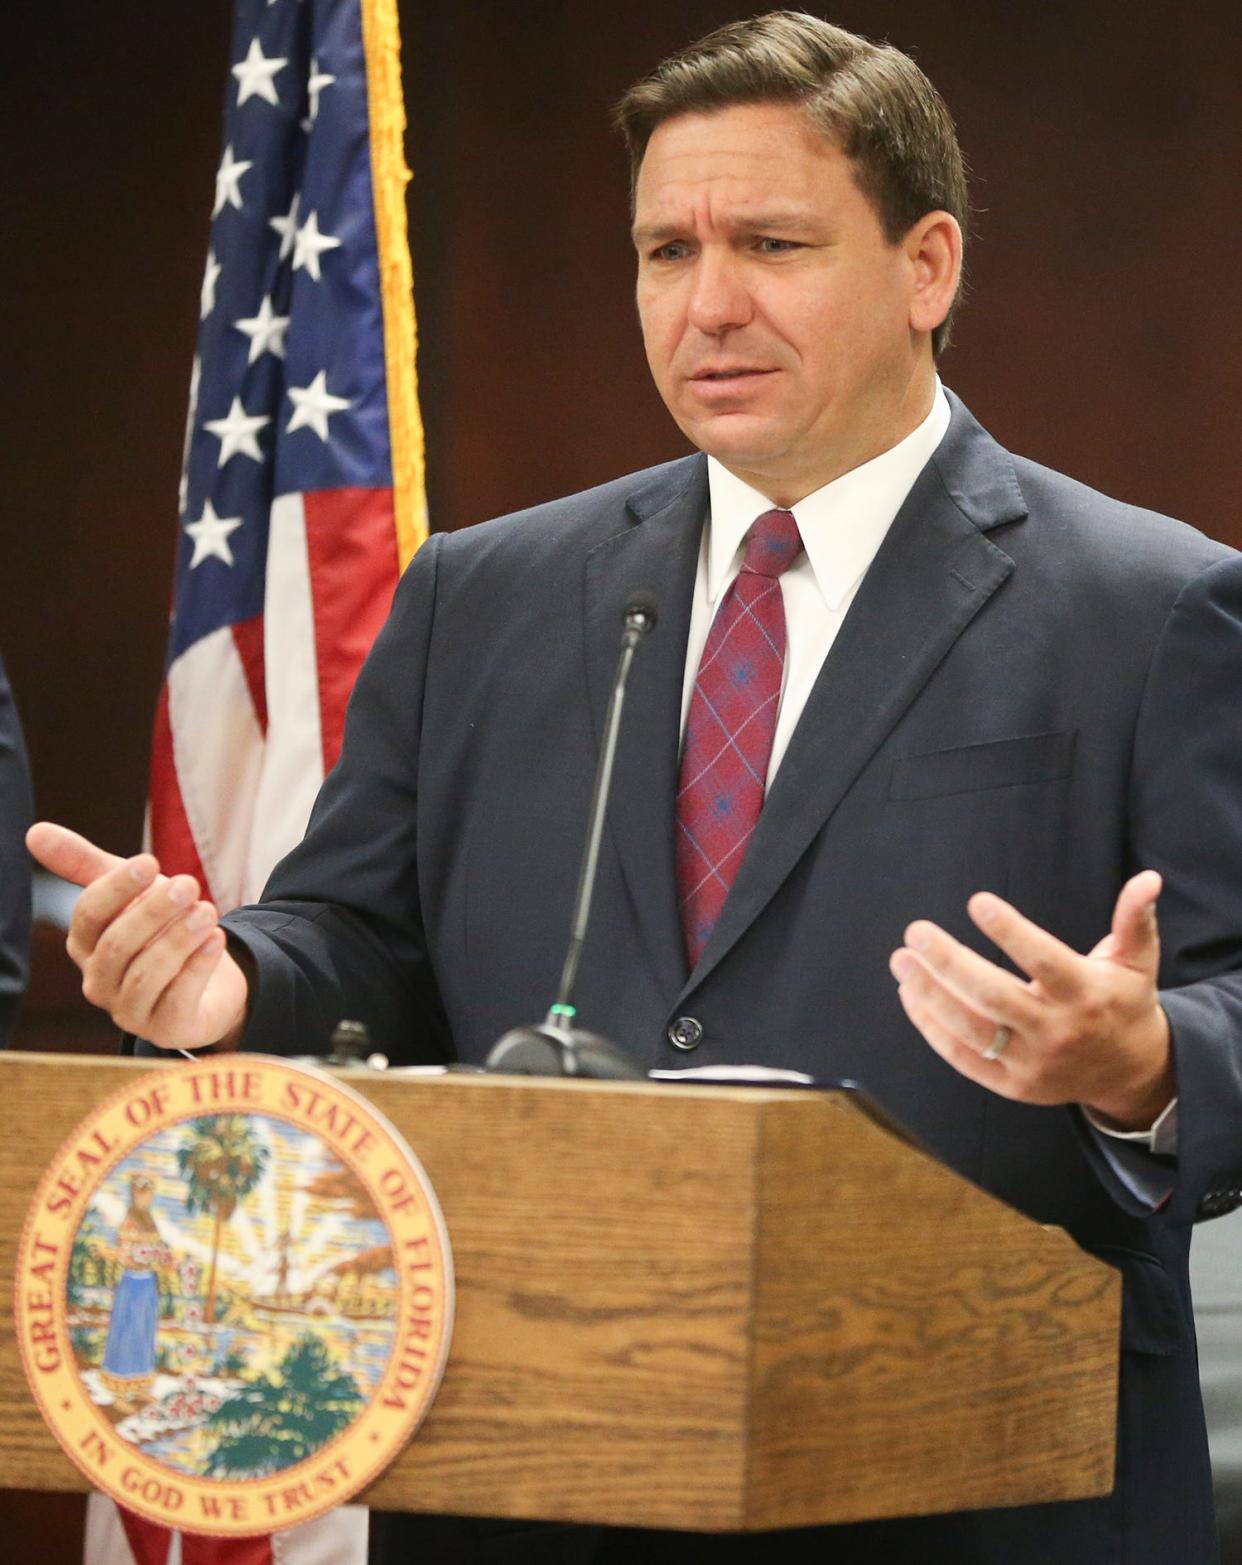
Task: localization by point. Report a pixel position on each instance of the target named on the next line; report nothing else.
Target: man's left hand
(1081, 1029)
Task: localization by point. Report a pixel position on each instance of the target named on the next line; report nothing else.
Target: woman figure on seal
(129, 1358)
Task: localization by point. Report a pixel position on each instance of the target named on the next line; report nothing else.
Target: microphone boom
(555, 1047)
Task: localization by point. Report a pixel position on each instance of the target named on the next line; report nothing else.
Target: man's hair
(869, 99)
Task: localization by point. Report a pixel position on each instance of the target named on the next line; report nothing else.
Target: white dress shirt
(842, 527)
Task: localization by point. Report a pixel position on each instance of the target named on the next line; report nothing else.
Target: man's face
(775, 314)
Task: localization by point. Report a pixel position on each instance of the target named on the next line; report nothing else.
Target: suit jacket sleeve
(1186, 814)
(15, 813)
(339, 932)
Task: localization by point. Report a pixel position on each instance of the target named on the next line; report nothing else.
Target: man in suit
(904, 684)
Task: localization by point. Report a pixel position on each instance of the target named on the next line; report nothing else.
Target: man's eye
(777, 246)
(673, 251)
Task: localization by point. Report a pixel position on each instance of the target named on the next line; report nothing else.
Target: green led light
(564, 1010)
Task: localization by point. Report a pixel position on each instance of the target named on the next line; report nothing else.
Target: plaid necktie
(728, 744)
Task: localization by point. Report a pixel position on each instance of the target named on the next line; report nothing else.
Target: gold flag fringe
(381, 42)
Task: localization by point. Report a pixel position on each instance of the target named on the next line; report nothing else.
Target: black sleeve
(1187, 823)
(15, 816)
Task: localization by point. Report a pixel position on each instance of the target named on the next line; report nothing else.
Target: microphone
(554, 1046)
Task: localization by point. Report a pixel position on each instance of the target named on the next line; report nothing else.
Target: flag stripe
(168, 830)
(352, 549)
(249, 638)
(197, 1550)
(217, 750)
(149, 1543)
(292, 763)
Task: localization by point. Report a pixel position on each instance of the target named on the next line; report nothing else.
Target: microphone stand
(554, 1046)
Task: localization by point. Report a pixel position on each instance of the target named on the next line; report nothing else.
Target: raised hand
(1083, 1029)
(150, 950)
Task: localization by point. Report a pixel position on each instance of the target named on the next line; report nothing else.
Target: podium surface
(700, 1307)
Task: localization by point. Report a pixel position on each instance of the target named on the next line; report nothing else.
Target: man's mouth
(737, 373)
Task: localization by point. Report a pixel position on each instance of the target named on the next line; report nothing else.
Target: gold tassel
(381, 42)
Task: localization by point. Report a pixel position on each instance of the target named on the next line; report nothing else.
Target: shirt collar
(842, 525)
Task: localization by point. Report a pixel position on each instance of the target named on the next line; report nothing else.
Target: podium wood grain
(697, 1307)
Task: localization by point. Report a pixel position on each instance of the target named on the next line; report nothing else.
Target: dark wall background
(1102, 337)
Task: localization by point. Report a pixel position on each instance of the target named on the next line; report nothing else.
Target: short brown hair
(869, 99)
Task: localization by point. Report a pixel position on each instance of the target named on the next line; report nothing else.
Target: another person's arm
(15, 811)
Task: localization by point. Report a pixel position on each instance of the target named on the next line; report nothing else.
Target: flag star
(286, 227)
(310, 244)
(266, 331)
(207, 294)
(228, 181)
(318, 81)
(312, 404)
(238, 432)
(211, 536)
(254, 75)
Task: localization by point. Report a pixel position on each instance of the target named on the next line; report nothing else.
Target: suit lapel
(657, 550)
(933, 574)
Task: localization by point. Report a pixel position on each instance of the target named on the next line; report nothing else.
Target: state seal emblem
(234, 1295)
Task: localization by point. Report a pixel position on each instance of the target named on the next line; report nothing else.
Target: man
(897, 671)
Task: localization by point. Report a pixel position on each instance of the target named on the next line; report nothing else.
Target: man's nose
(719, 300)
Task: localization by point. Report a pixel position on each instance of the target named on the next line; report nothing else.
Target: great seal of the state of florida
(234, 1295)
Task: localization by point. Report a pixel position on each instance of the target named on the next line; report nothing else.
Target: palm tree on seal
(222, 1161)
(277, 1420)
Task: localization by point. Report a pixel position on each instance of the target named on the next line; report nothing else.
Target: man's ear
(933, 248)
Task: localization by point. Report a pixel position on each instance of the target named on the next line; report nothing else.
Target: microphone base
(547, 1050)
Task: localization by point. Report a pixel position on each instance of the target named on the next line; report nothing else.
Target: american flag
(301, 495)
(301, 502)
(115, 1537)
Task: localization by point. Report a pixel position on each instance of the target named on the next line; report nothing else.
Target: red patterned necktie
(728, 744)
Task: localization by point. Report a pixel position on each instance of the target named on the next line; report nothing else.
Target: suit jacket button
(686, 1033)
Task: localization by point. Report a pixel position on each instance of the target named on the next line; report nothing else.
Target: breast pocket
(998, 763)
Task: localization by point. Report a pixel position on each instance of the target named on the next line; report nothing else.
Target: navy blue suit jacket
(1036, 691)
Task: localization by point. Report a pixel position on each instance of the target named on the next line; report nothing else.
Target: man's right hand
(151, 952)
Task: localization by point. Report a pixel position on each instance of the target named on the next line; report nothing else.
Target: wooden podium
(712, 1308)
